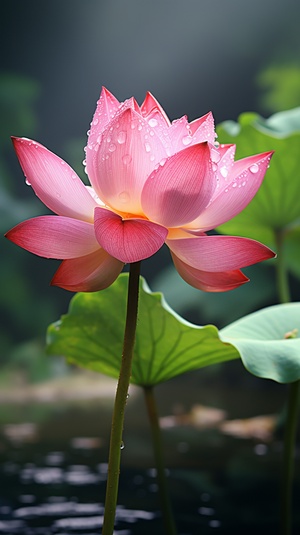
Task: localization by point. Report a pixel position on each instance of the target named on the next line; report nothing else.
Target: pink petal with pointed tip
(107, 106)
(125, 158)
(54, 181)
(55, 237)
(209, 281)
(235, 192)
(179, 190)
(219, 253)
(150, 104)
(203, 129)
(90, 273)
(128, 240)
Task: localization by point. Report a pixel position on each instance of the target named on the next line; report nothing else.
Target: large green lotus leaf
(276, 206)
(91, 336)
(266, 342)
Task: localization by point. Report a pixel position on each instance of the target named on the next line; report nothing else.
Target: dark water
(53, 473)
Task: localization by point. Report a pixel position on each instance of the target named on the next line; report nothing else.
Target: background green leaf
(260, 340)
(91, 336)
(276, 206)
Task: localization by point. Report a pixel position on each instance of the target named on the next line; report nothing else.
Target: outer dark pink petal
(219, 253)
(55, 237)
(128, 240)
(125, 158)
(234, 192)
(178, 191)
(90, 273)
(209, 281)
(54, 181)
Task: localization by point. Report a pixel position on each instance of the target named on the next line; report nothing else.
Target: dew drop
(153, 123)
(88, 132)
(224, 171)
(126, 159)
(124, 197)
(148, 147)
(152, 158)
(84, 162)
(254, 168)
(234, 185)
(95, 122)
(122, 446)
(140, 127)
(112, 147)
(162, 162)
(186, 140)
(27, 182)
(121, 138)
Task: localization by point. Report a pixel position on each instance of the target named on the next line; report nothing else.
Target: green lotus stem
(292, 404)
(120, 401)
(283, 289)
(168, 519)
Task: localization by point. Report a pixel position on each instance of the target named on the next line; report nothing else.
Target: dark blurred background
(193, 55)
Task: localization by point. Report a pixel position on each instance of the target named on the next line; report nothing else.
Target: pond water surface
(53, 471)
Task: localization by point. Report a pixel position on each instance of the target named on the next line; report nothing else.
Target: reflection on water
(53, 478)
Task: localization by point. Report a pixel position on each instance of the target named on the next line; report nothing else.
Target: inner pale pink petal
(150, 104)
(107, 106)
(126, 156)
(54, 181)
(55, 237)
(179, 190)
(203, 129)
(90, 273)
(209, 281)
(128, 240)
(219, 253)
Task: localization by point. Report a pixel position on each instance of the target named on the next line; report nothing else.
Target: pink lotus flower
(153, 182)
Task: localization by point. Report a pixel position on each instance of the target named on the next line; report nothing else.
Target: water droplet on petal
(88, 132)
(95, 122)
(153, 123)
(224, 171)
(254, 168)
(27, 182)
(234, 185)
(186, 140)
(124, 197)
(126, 159)
(122, 446)
(84, 162)
(148, 147)
(112, 147)
(121, 138)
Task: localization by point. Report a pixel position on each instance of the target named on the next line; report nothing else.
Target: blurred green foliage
(279, 86)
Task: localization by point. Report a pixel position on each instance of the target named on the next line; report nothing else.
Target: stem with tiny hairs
(168, 519)
(292, 404)
(120, 401)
